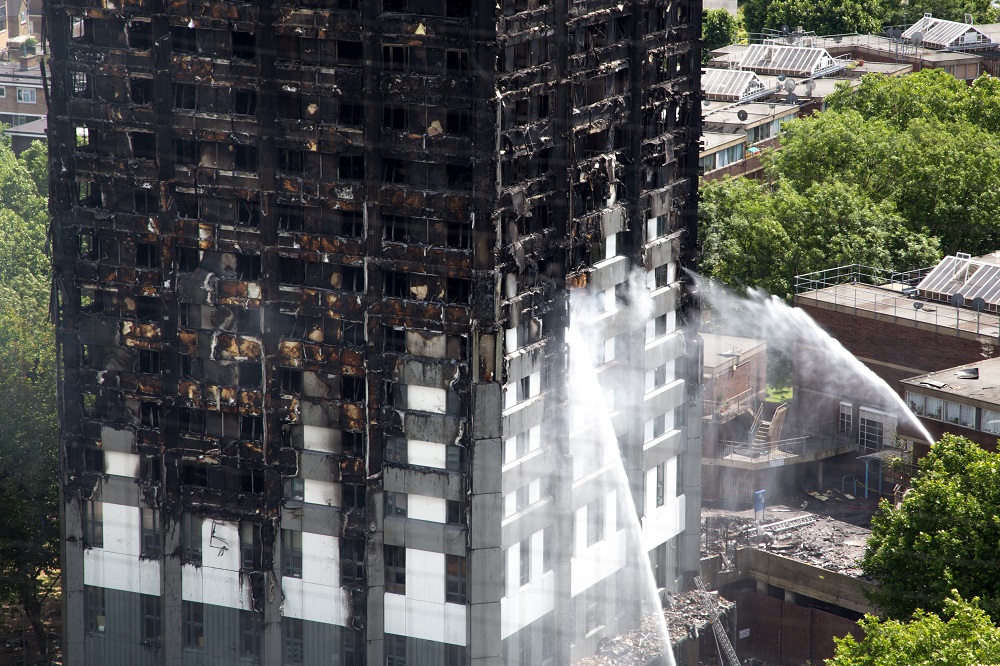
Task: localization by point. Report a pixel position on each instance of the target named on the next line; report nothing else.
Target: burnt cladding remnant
(312, 266)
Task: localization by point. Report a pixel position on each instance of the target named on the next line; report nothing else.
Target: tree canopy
(29, 531)
(965, 636)
(834, 17)
(944, 536)
(718, 28)
(916, 159)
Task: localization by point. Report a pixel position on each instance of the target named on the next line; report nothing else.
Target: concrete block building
(312, 272)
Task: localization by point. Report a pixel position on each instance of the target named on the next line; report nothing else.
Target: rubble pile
(686, 617)
(827, 543)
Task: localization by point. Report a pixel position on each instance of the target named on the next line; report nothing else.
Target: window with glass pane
(991, 421)
(916, 403)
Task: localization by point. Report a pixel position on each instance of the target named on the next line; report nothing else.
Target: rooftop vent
(968, 373)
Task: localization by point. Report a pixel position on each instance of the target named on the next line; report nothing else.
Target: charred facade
(312, 271)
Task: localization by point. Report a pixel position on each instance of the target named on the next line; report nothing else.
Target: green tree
(825, 17)
(29, 528)
(944, 536)
(756, 235)
(900, 99)
(718, 28)
(965, 637)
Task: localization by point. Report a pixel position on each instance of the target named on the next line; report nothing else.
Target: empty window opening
(140, 34)
(244, 45)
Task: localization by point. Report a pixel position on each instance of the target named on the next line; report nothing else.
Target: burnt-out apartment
(312, 271)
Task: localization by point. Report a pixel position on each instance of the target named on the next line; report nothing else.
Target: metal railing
(785, 449)
(890, 295)
(727, 409)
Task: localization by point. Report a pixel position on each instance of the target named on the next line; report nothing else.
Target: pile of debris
(685, 616)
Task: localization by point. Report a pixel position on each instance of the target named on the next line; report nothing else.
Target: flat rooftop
(985, 388)
(889, 303)
(713, 141)
(725, 351)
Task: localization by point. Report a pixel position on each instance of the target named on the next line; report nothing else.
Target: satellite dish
(917, 38)
(810, 85)
(957, 300)
(789, 85)
(978, 303)
(838, 39)
(742, 115)
(781, 77)
(784, 29)
(791, 98)
(705, 103)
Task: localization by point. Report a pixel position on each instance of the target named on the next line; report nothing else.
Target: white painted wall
(597, 562)
(117, 566)
(426, 454)
(121, 464)
(426, 399)
(321, 492)
(218, 580)
(316, 438)
(528, 604)
(444, 623)
(423, 507)
(663, 523)
(425, 575)
(317, 596)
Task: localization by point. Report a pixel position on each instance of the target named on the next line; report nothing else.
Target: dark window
(456, 512)
(143, 145)
(149, 361)
(395, 171)
(80, 85)
(455, 457)
(524, 552)
(194, 625)
(458, 177)
(397, 284)
(595, 521)
(251, 427)
(455, 655)
(395, 504)
(290, 380)
(291, 161)
(150, 533)
(191, 536)
(145, 202)
(248, 215)
(354, 496)
(352, 224)
(141, 91)
(140, 34)
(393, 339)
(151, 631)
(352, 562)
(149, 414)
(395, 57)
(395, 570)
(351, 114)
(291, 553)
(244, 157)
(354, 647)
(352, 332)
(456, 62)
(292, 651)
(251, 629)
(458, 123)
(250, 547)
(183, 39)
(93, 524)
(660, 326)
(458, 290)
(660, 471)
(395, 117)
(244, 46)
(295, 489)
(351, 167)
(394, 5)
(185, 96)
(244, 102)
(349, 51)
(456, 579)
(395, 646)
(147, 255)
(458, 8)
(96, 614)
(353, 388)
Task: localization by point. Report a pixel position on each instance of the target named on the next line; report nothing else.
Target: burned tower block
(312, 272)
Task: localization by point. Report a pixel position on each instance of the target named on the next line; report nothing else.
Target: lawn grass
(779, 393)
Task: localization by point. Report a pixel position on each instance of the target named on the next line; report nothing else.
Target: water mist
(597, 459)
(785, 328)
